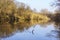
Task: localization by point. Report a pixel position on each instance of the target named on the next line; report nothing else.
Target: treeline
(55, 17)
(11, 11)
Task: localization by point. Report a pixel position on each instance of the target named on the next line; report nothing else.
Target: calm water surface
(30, 31)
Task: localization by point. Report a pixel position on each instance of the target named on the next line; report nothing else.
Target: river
(30, 31)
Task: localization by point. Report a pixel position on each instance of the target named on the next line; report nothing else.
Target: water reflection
(57, 29)
(9, 30)
(6, 30)
(56, 32)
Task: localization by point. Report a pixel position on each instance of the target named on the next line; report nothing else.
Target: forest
(13, 12)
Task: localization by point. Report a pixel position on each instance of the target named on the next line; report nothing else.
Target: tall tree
(57, 5)
(7, 7)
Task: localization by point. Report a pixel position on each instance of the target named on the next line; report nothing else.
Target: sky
(38, 4)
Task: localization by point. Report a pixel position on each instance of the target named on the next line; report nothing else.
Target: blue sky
(38, 4)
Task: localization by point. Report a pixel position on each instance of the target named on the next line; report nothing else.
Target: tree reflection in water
(7, 29)
(56, 32)
(57, 29)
